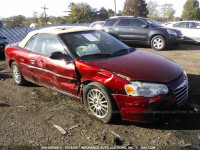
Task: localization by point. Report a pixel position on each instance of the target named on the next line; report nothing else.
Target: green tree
(15, 21)
(42, 20)
(136, 8)
(80, 13)
(110, 13)
(34, 18)
(57, 20)
(167, 12)
(119, 13)
(103, 14)
(191, 10)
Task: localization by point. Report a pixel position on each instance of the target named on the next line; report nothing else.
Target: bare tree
(167, 12)
(154, 9)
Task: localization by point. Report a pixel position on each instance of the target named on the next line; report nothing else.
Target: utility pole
(115, 7)
(45, 14)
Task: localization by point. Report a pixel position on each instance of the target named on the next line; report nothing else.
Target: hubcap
(98, 103)
(158, 43)
(16, 74)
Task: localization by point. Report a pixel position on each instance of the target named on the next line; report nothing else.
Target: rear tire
(158, 43)
(17, 75)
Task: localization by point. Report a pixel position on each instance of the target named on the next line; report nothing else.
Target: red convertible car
(109, 77)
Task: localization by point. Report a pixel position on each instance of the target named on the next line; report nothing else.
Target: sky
(57, 7)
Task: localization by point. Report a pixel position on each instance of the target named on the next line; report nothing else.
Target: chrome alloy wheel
(158, 43)
(97, 103)
(16, 74)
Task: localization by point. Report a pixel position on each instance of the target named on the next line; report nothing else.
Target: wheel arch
(152, 36)
(86, 82)
(114, 103)
(10, 62)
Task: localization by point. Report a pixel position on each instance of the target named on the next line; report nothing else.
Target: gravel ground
(28, 115)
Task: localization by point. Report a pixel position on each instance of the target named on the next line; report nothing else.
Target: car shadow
(4, 76)
(4, 105)
(184, 118)
(187, 46)
(30, 84)
(2, 57)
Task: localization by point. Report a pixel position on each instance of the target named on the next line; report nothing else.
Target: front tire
(17, 75)
(98, 102)
(158, 43)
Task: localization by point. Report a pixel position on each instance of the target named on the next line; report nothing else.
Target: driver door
(60, 72)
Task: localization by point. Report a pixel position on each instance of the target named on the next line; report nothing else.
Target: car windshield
(89, 45)
(154, 23)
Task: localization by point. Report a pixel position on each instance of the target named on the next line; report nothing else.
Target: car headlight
(172, 32)
(146, 89)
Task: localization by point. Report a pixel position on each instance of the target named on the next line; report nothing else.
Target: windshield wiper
(128, 50)
(93, 56)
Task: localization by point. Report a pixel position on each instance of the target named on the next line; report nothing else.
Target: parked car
(190, 29)
(100, 70)
(97, 24)
(140, 30)
(3, 43)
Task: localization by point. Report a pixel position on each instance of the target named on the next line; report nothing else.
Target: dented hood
(142, 66)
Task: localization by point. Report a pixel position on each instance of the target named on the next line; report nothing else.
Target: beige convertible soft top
(55, 31)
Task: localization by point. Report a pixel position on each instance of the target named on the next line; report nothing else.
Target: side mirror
(59, 56)
(145, 26)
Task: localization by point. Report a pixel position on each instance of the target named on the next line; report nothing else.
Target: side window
(40, 43)
(110, 22)
(52, 45)
(180, 25)
(47, 44)
(30, 44)
(183, 25)
(192, 25)
(137, 23)
(124, 22)
(176, 25)
(197, 25)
